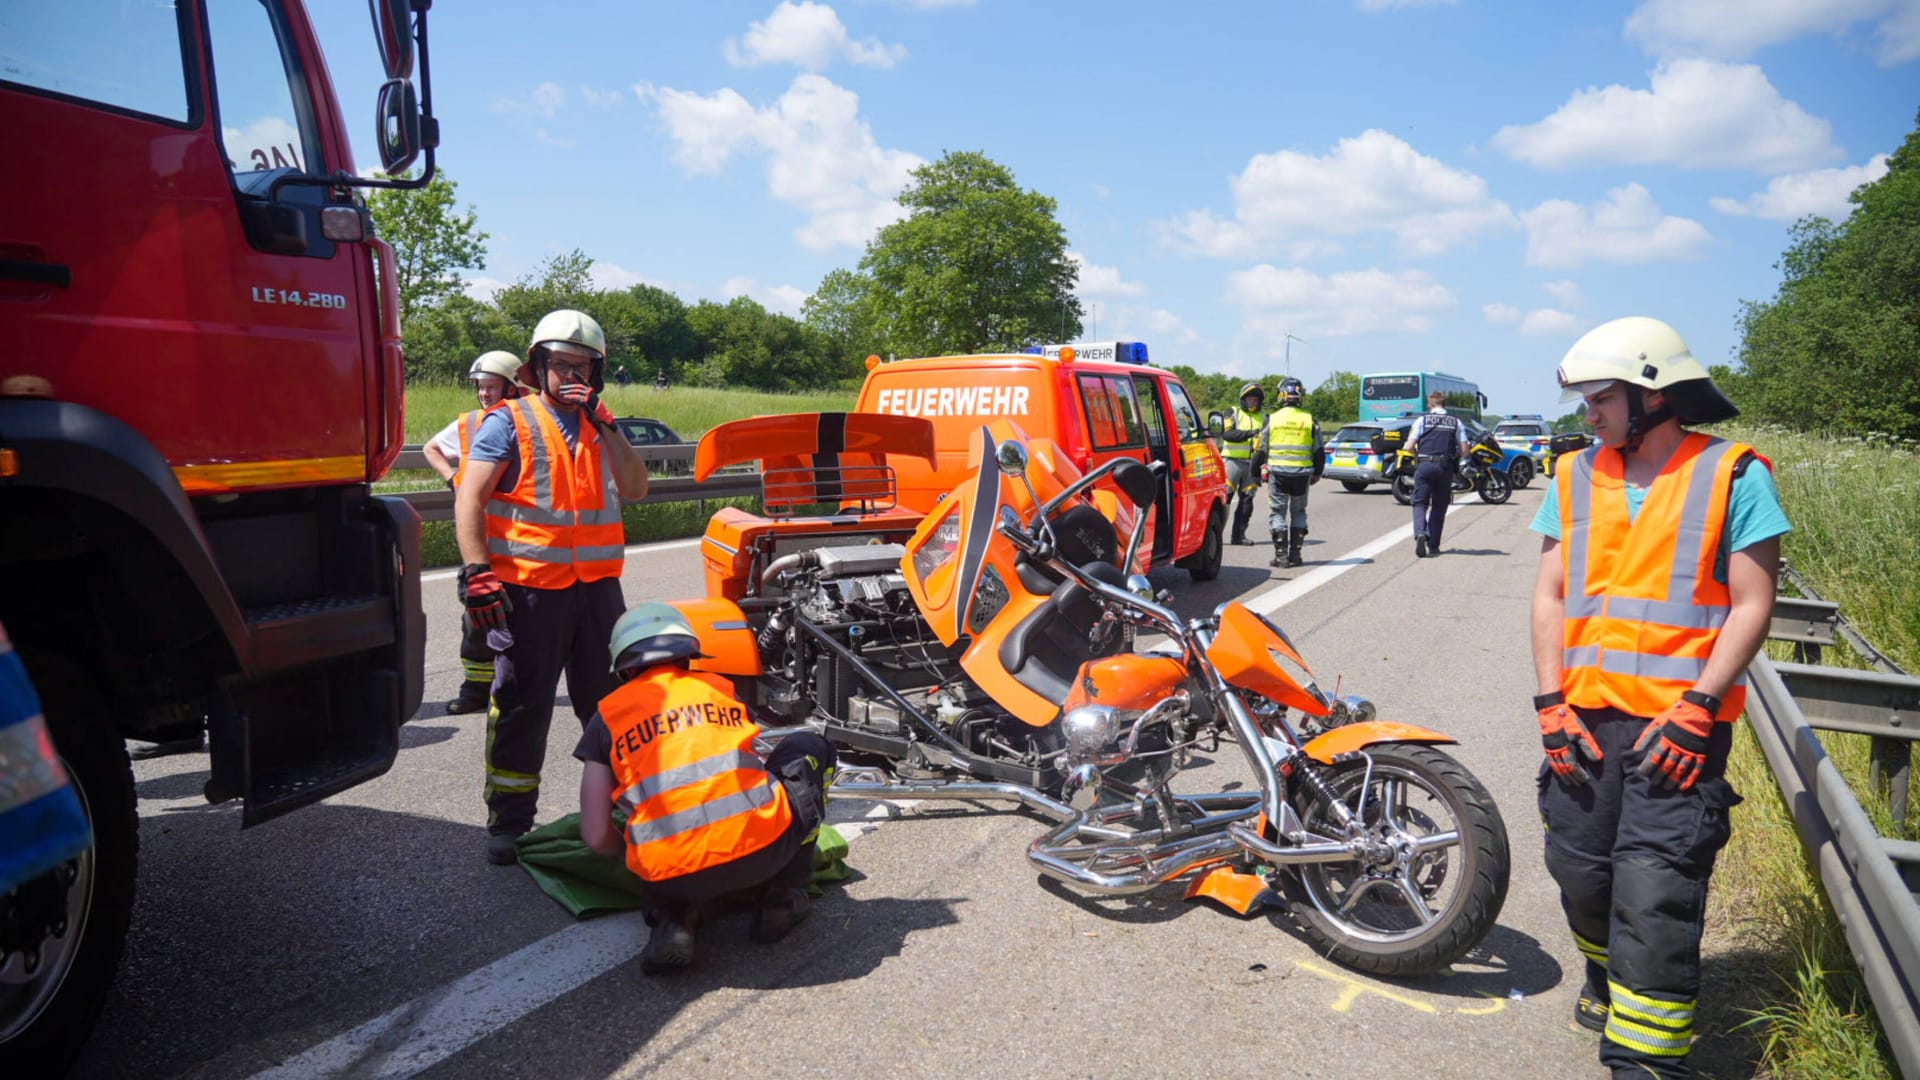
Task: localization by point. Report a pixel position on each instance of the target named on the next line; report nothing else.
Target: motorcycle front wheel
(1439, 891)
(1403, 489)
(1494, 487)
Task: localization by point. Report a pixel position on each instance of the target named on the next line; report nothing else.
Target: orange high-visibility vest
(694, 792)
(463, 430)
(1643, 608)
(561, 522)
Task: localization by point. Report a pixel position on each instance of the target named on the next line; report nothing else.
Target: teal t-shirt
(1754, 511)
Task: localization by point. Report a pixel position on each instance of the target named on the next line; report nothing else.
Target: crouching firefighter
(700, 815)
(1655, 590)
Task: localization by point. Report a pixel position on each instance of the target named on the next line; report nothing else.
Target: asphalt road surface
(368, 936)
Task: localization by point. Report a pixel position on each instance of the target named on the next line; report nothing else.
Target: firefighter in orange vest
(1655, 590)
(699, 814)
(493, 374)
(537, 516)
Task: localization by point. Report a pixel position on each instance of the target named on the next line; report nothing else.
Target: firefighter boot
(1295, 537)
(1279, 550)
(471, 699)
(669, 944)
(780, 910)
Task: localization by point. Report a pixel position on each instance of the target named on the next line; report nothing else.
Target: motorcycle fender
(1350, 737)
(727, 645)
(1239, 892)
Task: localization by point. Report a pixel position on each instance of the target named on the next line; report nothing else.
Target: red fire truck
(200, 378)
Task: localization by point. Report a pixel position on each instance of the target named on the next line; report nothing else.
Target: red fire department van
(1096, 400)
(200, 378)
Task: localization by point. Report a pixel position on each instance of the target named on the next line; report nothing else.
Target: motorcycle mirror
(1136, 480)
(1012, 458)
(1216, 424)
(1138, 585)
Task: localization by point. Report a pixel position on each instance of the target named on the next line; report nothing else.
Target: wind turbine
(1288, 347)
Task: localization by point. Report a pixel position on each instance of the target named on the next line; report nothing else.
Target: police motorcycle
(984, 651)
(1483, 468)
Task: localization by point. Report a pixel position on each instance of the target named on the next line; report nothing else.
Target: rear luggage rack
(794, 492)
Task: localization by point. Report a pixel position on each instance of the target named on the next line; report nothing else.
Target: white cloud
(1096, 280)
(267, 143)
(933, 5)
(613, 276)
(1501, 314)
(548, 137)
(545, 101)
(483, 288)
(1625, 227)
(1395, 5)
(1291, 202)
(602, 99)
(1274, 300)
(1165, 325)
(821, 156)
(1794, 196)
(1698, 114)
(1565, 293)
(809, 36)
(1738, 28)
(785, 299)
(1543, 321)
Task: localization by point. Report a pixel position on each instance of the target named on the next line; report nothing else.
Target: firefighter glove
(1565, 739)
(1676, 742)
(597, 409)
(487, 599)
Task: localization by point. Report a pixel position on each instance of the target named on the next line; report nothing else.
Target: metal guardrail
(1872, 881)
(437, 504)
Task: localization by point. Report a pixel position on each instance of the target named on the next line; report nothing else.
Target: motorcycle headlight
(941, 544)
(1091, 733)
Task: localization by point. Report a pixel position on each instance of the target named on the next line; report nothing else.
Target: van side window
(1113, 416)
(1185, 416)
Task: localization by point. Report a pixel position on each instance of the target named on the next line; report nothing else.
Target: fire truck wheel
(79, 912)
(1204, 564)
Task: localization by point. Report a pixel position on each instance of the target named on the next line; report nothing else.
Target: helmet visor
(1578, 391)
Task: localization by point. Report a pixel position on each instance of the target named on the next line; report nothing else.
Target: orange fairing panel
(1238, 891)
(1351, 737)
(1128, 681)
(1244, 651)
(726, 640)
(803, 435)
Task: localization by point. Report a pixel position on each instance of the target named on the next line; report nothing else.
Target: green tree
(1836, 347)
(1336, 399)
(431, 242)
(977, 265)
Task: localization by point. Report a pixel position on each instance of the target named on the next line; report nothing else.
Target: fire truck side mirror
(393, 26)
(399, 112)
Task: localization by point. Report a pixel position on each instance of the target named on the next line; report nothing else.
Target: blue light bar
(1035, 350)
(1132, 352)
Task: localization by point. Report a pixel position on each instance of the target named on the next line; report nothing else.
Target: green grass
(689, 411)
(1855, 508)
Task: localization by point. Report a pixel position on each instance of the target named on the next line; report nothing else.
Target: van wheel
(81, 908)
(1204, 565)
(1355, 486)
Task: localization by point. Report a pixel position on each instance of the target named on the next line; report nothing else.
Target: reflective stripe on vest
(1290, 439)
(1244, 421)
(561, 522)
(1642, 608)
(694, 792)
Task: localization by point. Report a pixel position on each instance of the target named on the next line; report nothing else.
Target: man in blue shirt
(1437, 441)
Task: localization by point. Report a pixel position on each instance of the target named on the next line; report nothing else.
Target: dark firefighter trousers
(1632, 861)
(476, 656)
(1432, 493)
(553, 632)
(803, 763)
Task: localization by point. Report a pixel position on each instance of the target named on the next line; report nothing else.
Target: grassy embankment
(1786, 968)
(688, 411)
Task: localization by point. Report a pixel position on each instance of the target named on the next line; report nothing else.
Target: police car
(1350, 456)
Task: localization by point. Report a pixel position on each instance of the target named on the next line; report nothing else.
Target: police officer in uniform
(697, 812)
(1296, 457)
(1668, 541)
(1437, 439)
(1245, 426)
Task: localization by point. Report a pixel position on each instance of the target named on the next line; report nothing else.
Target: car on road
(648, 434)
(1351, 460)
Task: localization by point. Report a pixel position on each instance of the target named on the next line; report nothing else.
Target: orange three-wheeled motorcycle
(987, 651)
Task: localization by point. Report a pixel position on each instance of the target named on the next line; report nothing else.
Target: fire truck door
(1153, 417)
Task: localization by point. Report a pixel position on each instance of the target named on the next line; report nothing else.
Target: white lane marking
(427, 1030)
(632, 549)
(436, 1025)
(1288, 591)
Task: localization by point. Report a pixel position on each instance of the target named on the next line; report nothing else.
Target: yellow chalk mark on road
(1352, 990)
(1355, 988)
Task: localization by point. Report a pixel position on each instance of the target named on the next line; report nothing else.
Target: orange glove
(486, 598)
(1679, 740)
(1566, 739)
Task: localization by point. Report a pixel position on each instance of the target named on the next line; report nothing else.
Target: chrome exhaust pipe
(1281, 855)
(1158, 865)
(846, 786)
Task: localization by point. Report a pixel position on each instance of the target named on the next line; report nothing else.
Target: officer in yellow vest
(1296, 457)
(673, 781)
(1655, 590)
(1245, 426)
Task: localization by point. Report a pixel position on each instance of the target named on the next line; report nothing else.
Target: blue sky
(1461, 185)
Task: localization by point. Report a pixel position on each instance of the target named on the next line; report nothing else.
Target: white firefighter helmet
(573, 328)
(496, 362)
(1648, 354)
